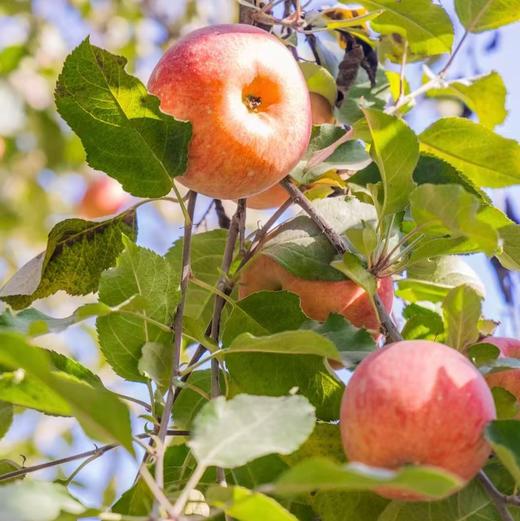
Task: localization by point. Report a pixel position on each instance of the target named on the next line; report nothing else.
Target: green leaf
(77, 253)
(484, 95)
(322, 474)
(101, 414)
(10, 57)
(20, 388)
(124, 132)
(245, 505)
(462, 308)
(263, 313)
(353, 268)
(301, 248)
(325, 442)
(482, 15)
(348, 155)
(7, 466)
(189, 402)
(426, 26)
(484, 157)
(286, 342)
(362, 95)
(449, 271)
(413, 290)
(231, 433)
(422, 323)
(319, 80)
(471, 504)
(506, 403)
(432, 170)
(207, 250)
(33, 322)
(31, 500)
(156, 363)
(449, 210)
(267, 313)
(483, 353)
(503, 436)
(145, 286)
(352, 343)
(389, 134)
(6, 417)
(510, 256)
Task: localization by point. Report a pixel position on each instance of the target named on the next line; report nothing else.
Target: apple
(321, 110)
(248, 102)
(417, 402)
(319, 298)
(103, 196)
(275, 196)
(509, 379)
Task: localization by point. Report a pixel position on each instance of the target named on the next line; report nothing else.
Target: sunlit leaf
(120, 125)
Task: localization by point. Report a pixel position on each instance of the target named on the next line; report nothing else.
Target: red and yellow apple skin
(248, 102)
(417, 402)
(103, 196)
(275, 196)
(319, 298)
(510, 378)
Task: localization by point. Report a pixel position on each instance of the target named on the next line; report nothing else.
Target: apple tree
(332, 363)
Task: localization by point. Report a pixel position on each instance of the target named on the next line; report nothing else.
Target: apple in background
(248, 103)
(319, 298)
(417, 402)
(103, 196)
(510, 378)
(321, 110)
(275, 196)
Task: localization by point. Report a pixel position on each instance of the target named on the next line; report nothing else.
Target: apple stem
(392, 334)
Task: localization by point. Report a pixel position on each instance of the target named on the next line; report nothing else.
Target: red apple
(510, 378)
(103, 196)
(417, 402)
(248, 103)
(319, 298)
(275, 196)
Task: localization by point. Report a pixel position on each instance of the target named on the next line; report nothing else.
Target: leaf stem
(178, 507)
(177, 326)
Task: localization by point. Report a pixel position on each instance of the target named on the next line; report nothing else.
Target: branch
(177, 326)
(496, 496)
(223, 285)
(223, 219)
(98, 451)
(391, 332)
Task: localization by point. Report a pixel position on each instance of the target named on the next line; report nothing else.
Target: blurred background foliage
(43, 174)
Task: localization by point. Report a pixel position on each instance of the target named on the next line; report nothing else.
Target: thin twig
(391, 332)
(99, 451)
(157, 492)
(297, 196)
(496, 496)
(177, 326)
(235, 230)
(262, 233)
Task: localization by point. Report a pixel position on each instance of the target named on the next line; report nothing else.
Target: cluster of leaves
(403, 203)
